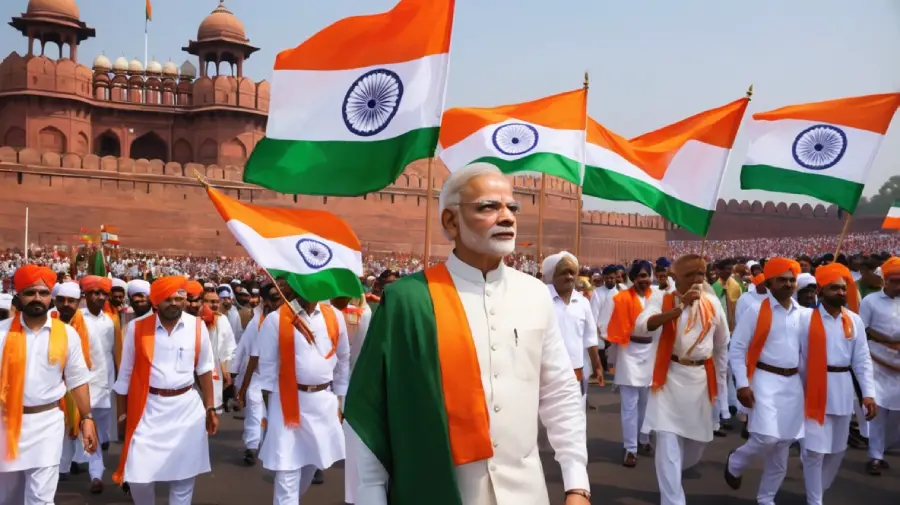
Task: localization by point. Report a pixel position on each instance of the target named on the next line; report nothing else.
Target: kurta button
(493, 468)
(496, 444)
(487, 293)
(496, 408)
(496, 375)
(493, 328)
(493, 312)
(493, 347)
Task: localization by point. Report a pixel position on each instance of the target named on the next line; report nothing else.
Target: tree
(882, 201)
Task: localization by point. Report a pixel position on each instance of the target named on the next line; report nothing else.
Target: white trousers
(819, 471)
(35, 486)
(732, 391)
(180, 492)
(291, 485)
(103, 418)
(775, 454)
(882, 430)
(860, 414)
(73, 450)
(634, 408)
(674, 454)
(254, 412)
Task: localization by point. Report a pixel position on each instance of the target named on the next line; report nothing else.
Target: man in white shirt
(466, 358)
(602, 308)
(765, 349)
(880, 312)
(223, 344)
(833, 344)
(40, 358)
(753, 297)
(166, 424)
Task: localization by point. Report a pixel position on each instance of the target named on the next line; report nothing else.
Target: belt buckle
(684, 361)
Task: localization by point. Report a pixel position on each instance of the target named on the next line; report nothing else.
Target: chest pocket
(526, 353)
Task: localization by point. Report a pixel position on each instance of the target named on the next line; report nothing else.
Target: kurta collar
(468, 272)
(178, 325)
(777, 305)
(555, 294)
(47, 324)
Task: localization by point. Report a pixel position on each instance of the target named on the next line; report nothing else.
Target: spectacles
(492, 206)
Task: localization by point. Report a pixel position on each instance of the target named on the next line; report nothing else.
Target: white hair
(453, 186)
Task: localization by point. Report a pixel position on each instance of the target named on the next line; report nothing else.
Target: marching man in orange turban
(166, 423)
(765, 359)
(690, 360)
(834, 344)
(31, 421)
(880, 312)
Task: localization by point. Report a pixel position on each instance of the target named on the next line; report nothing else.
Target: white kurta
(170, 441)
(634, 362)
(223, 345)
(525, 379)
(882, 313)
(319, 441)
(39, 441)
(779, 400)
(577, 325)
(602, 307)
(749, 299)
(351, 441)
(234, 320)
(101, 334)
(682, 406)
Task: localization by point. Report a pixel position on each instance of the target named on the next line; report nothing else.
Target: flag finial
(586, 80)
(750, 91)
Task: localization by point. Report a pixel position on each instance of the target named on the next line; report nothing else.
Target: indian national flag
(546, 135)
(822, 149)
(356, 103)
(892, 221)
(314, 250)
(148, 11)
(676, 170)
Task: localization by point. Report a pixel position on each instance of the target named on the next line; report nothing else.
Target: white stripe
(568, 143)
(693, 175)
(894, 212)
(308, 105)
(772, 143)
(281, 253)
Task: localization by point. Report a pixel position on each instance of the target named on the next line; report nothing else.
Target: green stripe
(556, 165)
(395, 402)
(336, 168)
(843, 193)
(322, 285)
(610, 185)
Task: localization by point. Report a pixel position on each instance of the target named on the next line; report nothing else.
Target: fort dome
(221, 24)
(53, 8)
(102, 63)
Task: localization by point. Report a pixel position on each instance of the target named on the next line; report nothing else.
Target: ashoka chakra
(372, 102)
(515, 139)
(314, 253)
(819, 147)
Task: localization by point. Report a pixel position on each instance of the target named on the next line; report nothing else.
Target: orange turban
(29, 275)
(193, 288)
(777, 266)
(94, 283)
(164, 287)
(889, 268)
(827, 274)
(759, 279)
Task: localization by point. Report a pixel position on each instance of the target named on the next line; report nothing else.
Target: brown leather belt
(37, 409)
(165, 393)
(579, 374)
(838, 369)
(784, 372)
(688, 362)
(312, 389)
(641, 340)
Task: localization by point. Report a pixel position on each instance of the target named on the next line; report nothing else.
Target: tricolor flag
(148, 11)
(823, 149)
(892, 221)
(356, 103)
(676, 170)
(546, 135)
(315, 251)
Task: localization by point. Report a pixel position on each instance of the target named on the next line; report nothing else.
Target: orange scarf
(139, 386)
(464, 401)
(77, 322)
(626, 309)
(760, 335)
(667, 345)
(12, 377)
(113, 314)
(287, 374)
(817, 364)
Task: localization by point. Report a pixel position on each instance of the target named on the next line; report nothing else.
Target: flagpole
(843, 235)
(26, 235)
(578, 198)
(146, 41)
(540, 231)
(429, 196)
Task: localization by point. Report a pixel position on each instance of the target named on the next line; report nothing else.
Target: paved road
(232, 483)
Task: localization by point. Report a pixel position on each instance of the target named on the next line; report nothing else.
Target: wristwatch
(87, 417)
(210, 409)
(579, 492)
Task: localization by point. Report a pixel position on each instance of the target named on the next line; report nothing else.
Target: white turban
(55, 289)
(5, 301)
(225, 291)
(138, 287)
(68, 290)
(119, 283)
(548, 267)
(805, 280)
(751, 264)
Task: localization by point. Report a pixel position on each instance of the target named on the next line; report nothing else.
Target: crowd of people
(853, 243)
(485, 357)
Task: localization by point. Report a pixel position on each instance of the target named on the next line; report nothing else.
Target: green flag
(98, 265)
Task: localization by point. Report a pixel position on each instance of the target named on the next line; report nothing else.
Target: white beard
(486, 244)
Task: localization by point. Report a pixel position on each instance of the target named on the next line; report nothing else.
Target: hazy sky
(651, 62)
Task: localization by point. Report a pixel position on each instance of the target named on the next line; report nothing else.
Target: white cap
(878, 272)
(805, 280)
(751, 264)
(68, 290)
(548, 267)
(225, 291)
(54, 290)
(138, 287)
(119, 283)
(5, 301)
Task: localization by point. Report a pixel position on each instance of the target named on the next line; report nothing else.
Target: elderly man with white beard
(464, 359)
